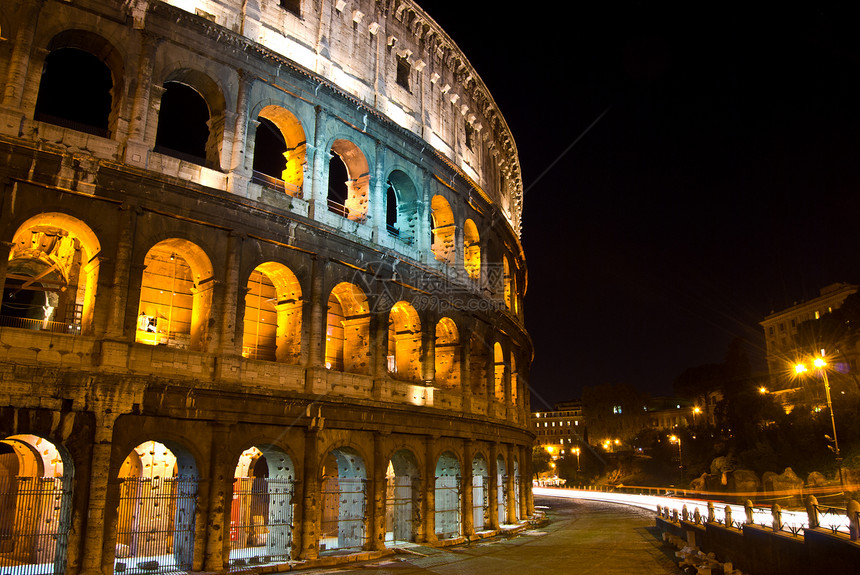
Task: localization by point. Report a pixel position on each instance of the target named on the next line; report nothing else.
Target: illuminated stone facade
(263, 292)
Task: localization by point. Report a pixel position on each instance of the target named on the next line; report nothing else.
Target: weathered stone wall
(95, 387)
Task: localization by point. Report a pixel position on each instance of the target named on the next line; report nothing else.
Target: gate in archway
(34, 524)
(155, 527)
(261, 520)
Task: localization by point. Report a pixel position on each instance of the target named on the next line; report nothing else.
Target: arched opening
(501, 491)
(280, 151)
(183, 124)
(261, 514)
(175, 296)
(52, 276)
(348, 181)
(273, 315)
(499, 372)
(344, 500)
(36, 480)
(471, 250)
(442, 228)
(347, 329)
(402, 497)
(75, 91)
(447, 496)
(401, 206)
(156, 511)
(480, 497)
(447, 354)
(404, 342)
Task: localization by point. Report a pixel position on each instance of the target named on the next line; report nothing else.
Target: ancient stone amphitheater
(263, 293)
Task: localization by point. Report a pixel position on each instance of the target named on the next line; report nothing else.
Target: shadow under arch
(273, 314)
(402, 497)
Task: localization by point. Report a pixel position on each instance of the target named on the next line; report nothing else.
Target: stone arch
(157, 505)
(447, 496)
(272, 327)
(498, 372)
(286, 161)
(480, 494)
(401, 217)
(447, 354)
(78, 88)
(349, 198)
(404, 342)
(175, 296)
(471, 250)
(402, 499)
(501, 489)
(515, 392)
(191, 118)
(261, 512)
(344, 500)
(347, 329)
(443, 228)
(52, 275)
(36, 478)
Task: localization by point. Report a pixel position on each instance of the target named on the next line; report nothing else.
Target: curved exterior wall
(233, 315)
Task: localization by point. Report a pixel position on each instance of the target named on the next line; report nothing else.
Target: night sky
(720, 184)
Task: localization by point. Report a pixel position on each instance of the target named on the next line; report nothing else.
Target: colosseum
(263, 294)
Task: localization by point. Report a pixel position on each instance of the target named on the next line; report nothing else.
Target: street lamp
(820, 364)
(676, 439)
(576, 451)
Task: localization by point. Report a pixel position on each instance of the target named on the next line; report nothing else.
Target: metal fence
(155, 527)
(400, 508)
(447, 506)
(261, 521)
(480, 501)
(34, 524)
(40, 325)
(344, 505)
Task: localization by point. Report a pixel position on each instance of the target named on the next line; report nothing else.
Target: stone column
(226, 322)
(379, 195)
(428, 349)
(118, 299)
(240, 173)
(378, 489)
(493, 489)
(136, 149)
(429, 502)
(314, 315)
(468, 500)
(466, 369)
(378, 350)
(16, 73)
(511, 510)
(423, 232)
(310, 512)
(319, 188)
(220, 502)
(101, 517)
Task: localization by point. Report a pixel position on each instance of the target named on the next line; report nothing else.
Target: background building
(262, 288)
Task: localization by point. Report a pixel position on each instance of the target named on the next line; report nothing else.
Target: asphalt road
(582, 537)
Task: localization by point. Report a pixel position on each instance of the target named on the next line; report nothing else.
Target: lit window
(817, 315)
(616, 409)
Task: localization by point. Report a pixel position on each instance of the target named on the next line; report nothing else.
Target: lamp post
(821, 365)
(578, 468)
(677, 439)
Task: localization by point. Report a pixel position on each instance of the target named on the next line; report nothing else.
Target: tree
(613, 411)
(540, 460)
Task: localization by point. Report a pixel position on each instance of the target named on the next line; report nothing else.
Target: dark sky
(722, 182)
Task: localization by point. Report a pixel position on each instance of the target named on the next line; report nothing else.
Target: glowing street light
(576, 451)
(820, 364)
(676, 439)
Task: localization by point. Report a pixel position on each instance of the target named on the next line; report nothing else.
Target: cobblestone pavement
(581, 537)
